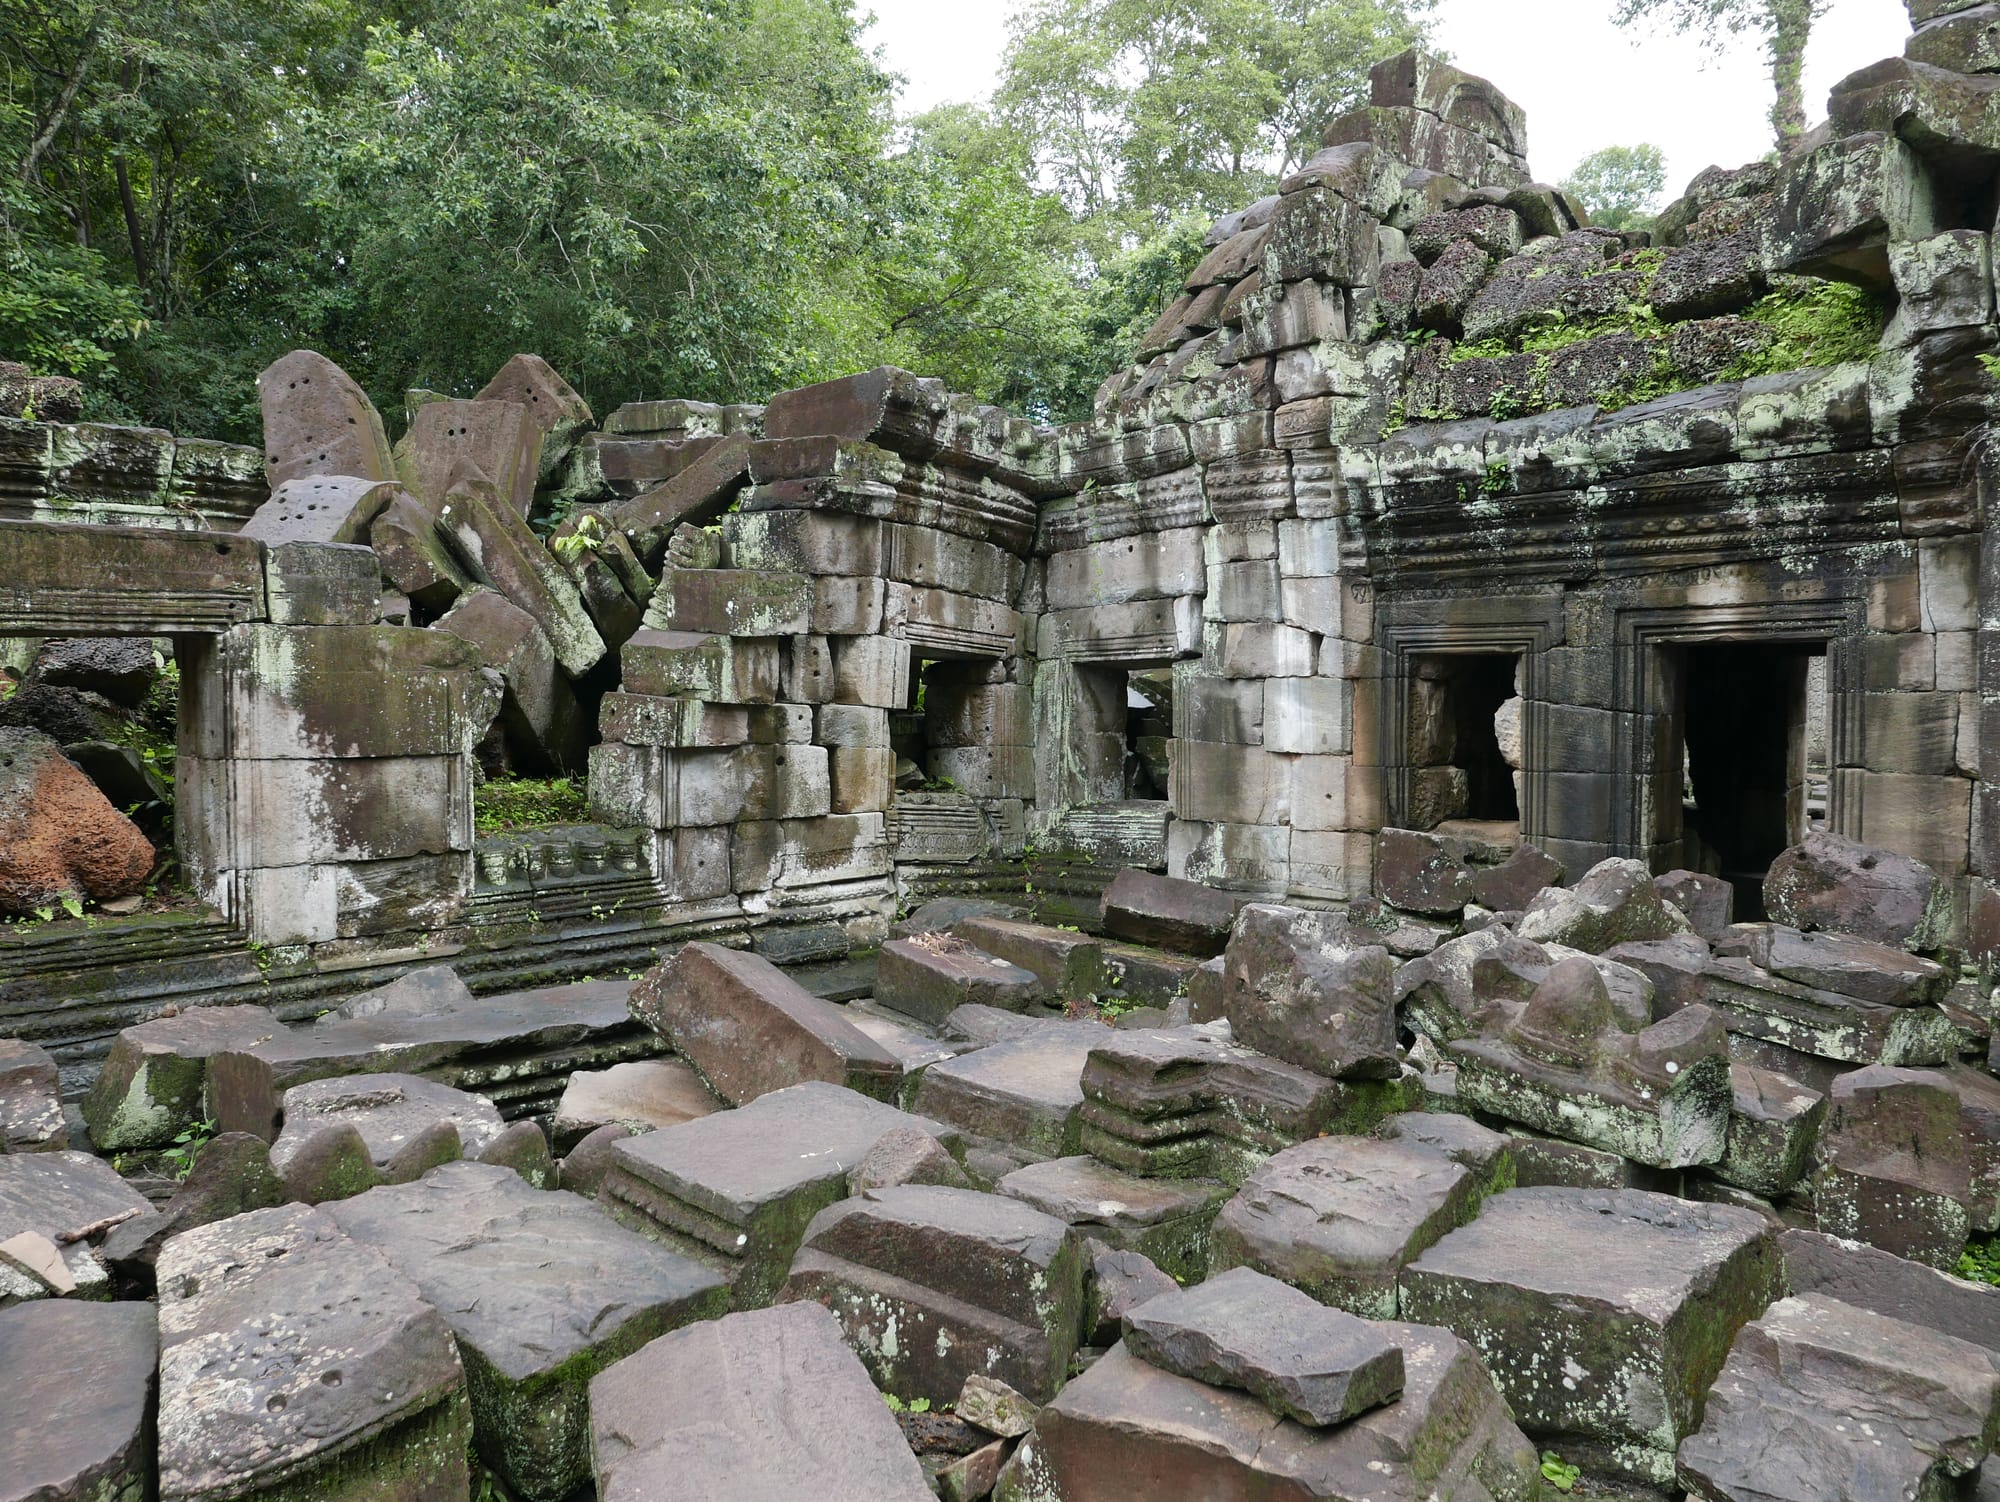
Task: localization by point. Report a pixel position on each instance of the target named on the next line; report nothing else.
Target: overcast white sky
(1584, 82)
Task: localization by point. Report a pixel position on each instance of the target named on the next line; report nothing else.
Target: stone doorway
(1464, 721)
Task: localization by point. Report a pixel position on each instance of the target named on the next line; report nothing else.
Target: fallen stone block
(496, 544)
(552, 405)
(732, 602)
(1840, 1402)
(1166, 1221)
(989, 1404)
(1823, 1024)
(1486, 1154)
(414, 558)
(542, 1291)
(323, 508)
(1896, 1166)
(1025, 1092)
(296, 1361)
(717, 669)
(1842, 964)
(1294, 990)
(1615, 903)
(1842, 886)
(696, 496)
(231, 1175)
(80, 1384)
(929, 976)
(1167, 913)
(933, 1285)
(907, 1155)
(1867, 1277)
(405, 1126)
(540, 716)
(1069, 965)
(1126, 1428)
(71, 1201)
(736, 1190)
(31, 1115)
(1243, 1330)
(1774, 1125)
(1602, 1315)
(1120, 1281)
(1340, 1217)
(765, 1404)
(451, 442)
(318, 421)
(644, 1096)
(1707, 902)
(1420, 873)
(749, 1028)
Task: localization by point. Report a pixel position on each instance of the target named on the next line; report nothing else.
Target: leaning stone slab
(1824, 1024)
(1127, 1429)
(1340, 1218)
(318, 421)
(735, 1190)
(1601, 1314)
(1840, 1402)
(1294, 988)
(153, 1080)
(765, 1404)
(1845, 965)
(1774, 1125)
(1842, 886)
(495, 541)
(1168, 913)
(542, 1292)
(80, 1397)
(933, 1285)
(1166, 1221)
(296, 1362)
(930, 976)
(59, 1197)
(642, 1096)
(1025, 1092)
(31, 1118)
(1243, 1330)
(749, 1028)
(406, 1125)
(1867, 1277)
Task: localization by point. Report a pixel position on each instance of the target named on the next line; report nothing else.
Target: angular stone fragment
(1120, 1281)
(414, 558)
(1842, 886)
(1292, 990)
(542, 1291)
(1170, 914)
(929, 976)
(749, 1028)
(461, 444)
(1127, 1429)
(1419, 873)
(1707, 902)
(1024, 1092)
(932, 1285)
(31, 1116)
(1244, 1330)
(68, 1199)
(231, 1175)
(736, 1189)
(317, 421)
(1614, 903)
(766, 1404)
(495, 542)
(1896, 1164)
(644, 1096)
(1516, 881)
(1846, 966)
(551, 404)
(1773, 1128)
(906, 1155)
(1164, 1220)
(295, 1361)
(1068, 964)
(407, 1125)
(1869, 1278)
(1820, 1399)
(990, 1404)
(60, 837)
(323, 508)
(1340, 1217)
(80, 1388)
(1603, 1315)
(540, 716)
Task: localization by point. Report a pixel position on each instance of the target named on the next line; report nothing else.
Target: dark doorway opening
(1464, 732)
(1746, 724)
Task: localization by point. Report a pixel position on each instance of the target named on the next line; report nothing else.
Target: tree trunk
(1791, 29)
(59, 111)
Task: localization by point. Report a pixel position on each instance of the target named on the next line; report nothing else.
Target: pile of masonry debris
(1489, 1187)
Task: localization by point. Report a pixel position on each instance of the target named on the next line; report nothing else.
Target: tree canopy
(1785, 26)
(703, 198)
(1619, 186)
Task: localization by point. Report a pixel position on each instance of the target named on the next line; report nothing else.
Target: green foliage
(1981, 1260)
(179, 1159)
(528, 803)
(915, 1405)
(1814, 323)
(1620, 186)
(1559, 1473)
(1784, 27)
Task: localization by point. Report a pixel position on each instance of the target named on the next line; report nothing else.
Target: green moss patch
(503, 803)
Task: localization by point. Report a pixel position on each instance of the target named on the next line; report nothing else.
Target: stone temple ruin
(1411, 910)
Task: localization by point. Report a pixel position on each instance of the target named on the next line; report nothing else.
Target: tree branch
(60, 111)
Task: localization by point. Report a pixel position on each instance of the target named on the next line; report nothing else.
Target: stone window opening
(1149, 724)
(1740, 739)
(1464, 747)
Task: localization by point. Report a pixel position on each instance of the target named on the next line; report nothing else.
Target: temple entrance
(1464, 738)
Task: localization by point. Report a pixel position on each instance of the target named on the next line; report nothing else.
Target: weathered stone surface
(907, 1155)
(294, 1360)
(1486, 1154)
(318, 421)
(1842, 886)
(1126, 1428)
(1601, 1314)
(1298, 992)
(494, 541)
(1774, 1126)
(932, 1285)
(749, 1028)
(582, 1170)
(1869, 1278)
(552, 405)
(990, 1404)
(542, 1291)
(1820, 1399)
(1846, 966)
(1418, 872)
(56, 1196)
(1243, 1330)
(1896, 1164)
(1165, 1221)
(929, 976)
(644, 1096)
(414, 557)
(1069, 965)
(1340, 1217)
(80, 1388)
(696, 495)
(1563, 1064)
(464, 445)
(540, 716)
(59, 836)
(717, 669)
(1614, 903)
(1184, 916)
(1120, 1281)
(31, 1116)
(405, 1123)
(232, 1175)
(736, 1189)
(1025, 1092)
(764, 1404)
(321, 508)
(1707, 902)
(122, 669)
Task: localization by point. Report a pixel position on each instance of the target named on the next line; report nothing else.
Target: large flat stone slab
(31, 1118)
(1127, 1429)
(1025, 1092)
(736, 1190)
(542, 1290)
(295, 1362)
(933, 1285)
(751, 1029)
(1867, 1277)
(1340, 1217)
(765, 1404)
(57, 1196)
(642, 1096)
(79, 1399)
(1602, 1314)
(1164, 1220)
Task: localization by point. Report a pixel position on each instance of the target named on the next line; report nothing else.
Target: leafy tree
(1619, 186)
(1784, 25)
